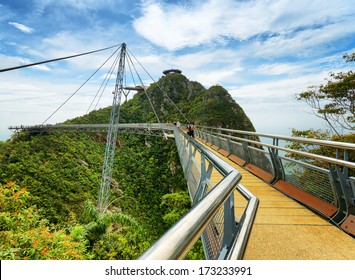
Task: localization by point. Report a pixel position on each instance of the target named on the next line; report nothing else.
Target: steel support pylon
(105, 184)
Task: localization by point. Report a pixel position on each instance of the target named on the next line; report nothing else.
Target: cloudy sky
(262, 51)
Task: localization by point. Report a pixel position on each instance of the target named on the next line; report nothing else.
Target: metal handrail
(238, 246)
(155, 126)
(178, 240)
(331, 185)
(349, 146)
(333, 144)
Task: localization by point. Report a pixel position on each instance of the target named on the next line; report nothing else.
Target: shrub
(24, 235)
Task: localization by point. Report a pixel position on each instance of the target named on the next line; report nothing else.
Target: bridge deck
(285, 229)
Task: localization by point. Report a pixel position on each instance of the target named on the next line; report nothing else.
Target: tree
(335, 101)
(175, 205)
(320, 150)
(24, 235)
(97, 224)
(110, 235)
(349, 58)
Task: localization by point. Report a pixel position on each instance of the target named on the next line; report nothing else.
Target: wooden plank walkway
(285, 229)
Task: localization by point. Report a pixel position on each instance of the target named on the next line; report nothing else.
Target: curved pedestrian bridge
(250, 200)
(284, 229)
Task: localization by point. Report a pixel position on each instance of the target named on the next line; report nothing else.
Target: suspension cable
(80, 87)
(55, 59)
(113, 68)
(160, 87)
(104, 82)
(145, 91)
(130, 70)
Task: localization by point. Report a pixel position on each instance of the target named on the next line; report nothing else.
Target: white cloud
(305, 43)
(272, 106)
(278, 68)
(13, 61)
(60, 45)
(80, 5)
(276, 89)
(207, 67)
(174, 26)
(41, 67)
(33, 99)
(21, 27)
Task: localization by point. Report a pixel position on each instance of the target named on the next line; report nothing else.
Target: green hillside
(50, 182)
(213, 106)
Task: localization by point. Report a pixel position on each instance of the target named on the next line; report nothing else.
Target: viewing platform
(284, 229)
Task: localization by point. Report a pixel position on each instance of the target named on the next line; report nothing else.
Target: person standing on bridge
(191, 129)
(178, 125)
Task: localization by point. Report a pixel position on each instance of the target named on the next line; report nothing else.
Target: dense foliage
(24, 235)
(213, 106)
(50, 182)
(321, 150)
(335, 104)
(335, 101)
(62, 173)
(175, 98)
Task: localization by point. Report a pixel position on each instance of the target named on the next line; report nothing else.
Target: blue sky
(263, 52)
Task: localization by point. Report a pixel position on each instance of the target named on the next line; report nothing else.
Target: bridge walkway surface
(285, 229)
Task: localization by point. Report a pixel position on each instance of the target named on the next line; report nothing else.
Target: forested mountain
(212, 107)
(50, 182)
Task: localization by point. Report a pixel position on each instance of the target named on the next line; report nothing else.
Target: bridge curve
(285, 229)
(305, 211)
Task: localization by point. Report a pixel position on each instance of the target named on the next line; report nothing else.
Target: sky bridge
(285, 229)
(251, 202)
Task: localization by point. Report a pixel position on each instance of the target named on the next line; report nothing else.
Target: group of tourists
(190, 128)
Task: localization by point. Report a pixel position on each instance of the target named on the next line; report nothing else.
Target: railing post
(192, 154)
(205, 175)
(246, 153)
(337, 180)
(230, 146)
(219, 139)
(230, 227)
(210, 137)
(181, 143)
(201, 183)
(343, 189)
(279, 171)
